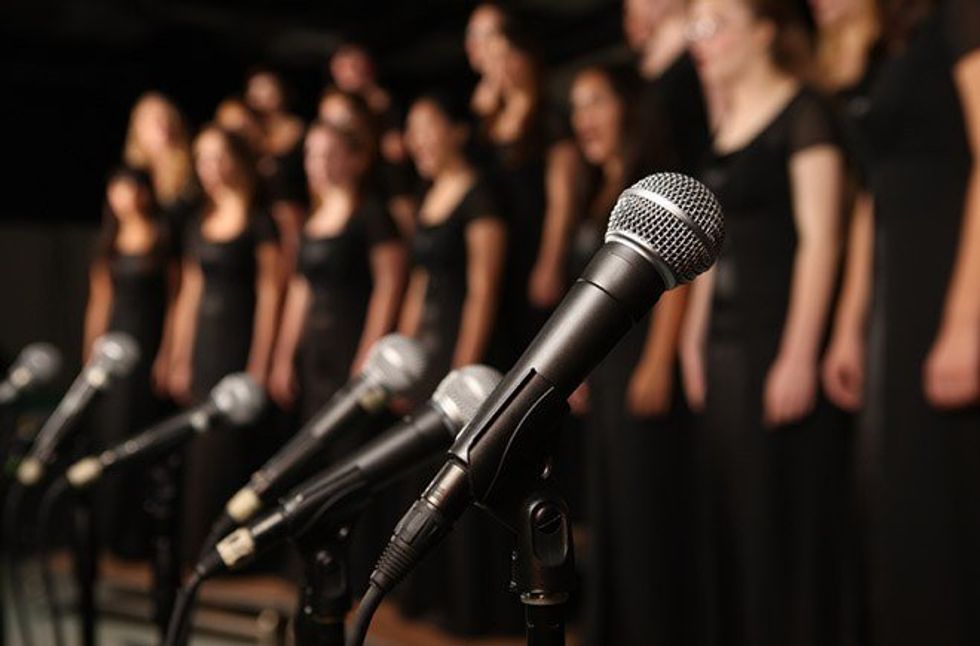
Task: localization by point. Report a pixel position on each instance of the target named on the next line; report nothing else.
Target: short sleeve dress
(773, 500)
(921, 466)
(219, 462)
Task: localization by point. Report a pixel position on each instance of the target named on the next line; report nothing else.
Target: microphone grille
(396, 363)
(461, 393)
(238, 398)
(42, 361)
(116, 353)
(673, 220)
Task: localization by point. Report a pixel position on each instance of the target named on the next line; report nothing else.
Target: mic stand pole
(161, 508)
(325, 596)
(86, 551)
(543, 566)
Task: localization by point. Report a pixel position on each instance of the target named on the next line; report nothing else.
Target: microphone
(36, 365)
(236, 399)
(394, 365)
(663, 231)
(344, 489)
(113, 356)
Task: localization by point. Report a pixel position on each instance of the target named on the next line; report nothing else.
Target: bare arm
(388, 275)
(651, 387)
(952, 370)
(184, 328)
(99, 306)
(282, 384)
(546, 279)
(293, 319)
(816, 177)
(694, 333)
(267, 293)
(485, 240)
(164, 358)
(843, 369)
(411, 314)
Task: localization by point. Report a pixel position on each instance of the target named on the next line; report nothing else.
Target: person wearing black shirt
(915, 321)
(225, 320)
(773, 450)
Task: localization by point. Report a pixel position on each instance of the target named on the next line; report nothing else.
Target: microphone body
(664, 230)
(35, 366)
(236, 399)
(395, 365)
(114, 356)
(344, 489)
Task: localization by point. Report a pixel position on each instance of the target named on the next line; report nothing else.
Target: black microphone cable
(52, 496)
(12, 565)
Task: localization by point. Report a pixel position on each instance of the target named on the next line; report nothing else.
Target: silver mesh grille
(42, 361)
(116, 353)
(239, 398)
(463, 391)
(673, 218)
(395, 363)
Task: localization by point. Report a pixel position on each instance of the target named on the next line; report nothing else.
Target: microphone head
(396, 363)
(115, 353)
(672, 220)
(37, 364)
(463, 391)
(238, 398)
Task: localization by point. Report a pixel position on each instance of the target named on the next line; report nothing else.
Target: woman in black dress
(347, 290)
(635, 442)
(533, 170)
(279, 159)
(919, 379)
(158, 142)
(225, 320)
(451, 308)
(774, 451)
(130, 287)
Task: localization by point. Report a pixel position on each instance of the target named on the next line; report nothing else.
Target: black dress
(139, 303)
(637, 586)
(462, 584)
(773, 500)
(220, 461)
(338, 271)
(921, 466)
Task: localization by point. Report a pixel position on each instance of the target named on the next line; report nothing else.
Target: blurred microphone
(344, 489)
(113, 356)
(394, 365)
(36, 365)
(236, 399)
(664, 230)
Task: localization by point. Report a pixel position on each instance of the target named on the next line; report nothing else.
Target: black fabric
(462, 584)
(139, 302)
(338, 271)
(220, 461)
(920, 468)
(773, 502)
(638, 567)
(674, 115)
(285, 177)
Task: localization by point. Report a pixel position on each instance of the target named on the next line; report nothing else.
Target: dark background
(71, 70)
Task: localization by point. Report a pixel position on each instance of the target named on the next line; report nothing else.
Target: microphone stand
(543, 561)
(325, 596)
(543, 566)
(86, 551)
(165, 563)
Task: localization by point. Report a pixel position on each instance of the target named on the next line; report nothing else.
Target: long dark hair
(900, 18)
(792, 47)
(244, 158)
(109, 233)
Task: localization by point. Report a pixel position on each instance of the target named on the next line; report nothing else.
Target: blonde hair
(172, 175)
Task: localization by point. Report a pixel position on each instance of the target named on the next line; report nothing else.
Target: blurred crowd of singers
(786, 452)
